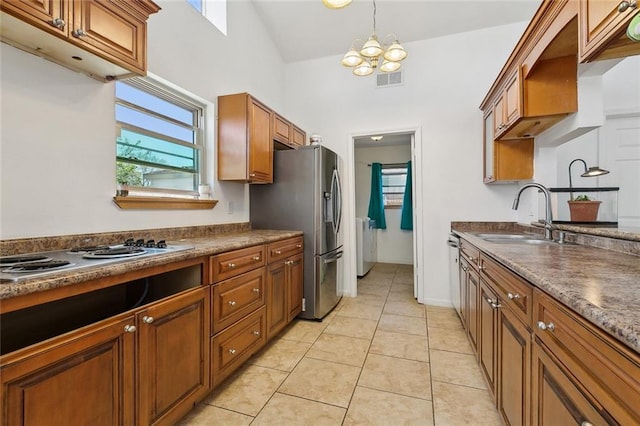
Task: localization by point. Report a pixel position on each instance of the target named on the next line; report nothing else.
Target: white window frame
(215, 11)
(173, 94)
(388, 167)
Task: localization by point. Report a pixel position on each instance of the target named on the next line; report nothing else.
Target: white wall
(57, 162)
(394, 244)
(445, 81)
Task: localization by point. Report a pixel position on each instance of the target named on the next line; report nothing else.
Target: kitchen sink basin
(525, 237)
(534, 241)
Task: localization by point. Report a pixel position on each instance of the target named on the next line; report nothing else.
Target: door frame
(350, 288)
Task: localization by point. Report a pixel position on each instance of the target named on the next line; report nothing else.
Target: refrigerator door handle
(336, 202)
(334, 258)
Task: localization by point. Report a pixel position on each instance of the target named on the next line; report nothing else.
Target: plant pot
(122, 190)
(584, 211)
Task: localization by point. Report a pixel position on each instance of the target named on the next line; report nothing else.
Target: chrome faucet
(548, 225)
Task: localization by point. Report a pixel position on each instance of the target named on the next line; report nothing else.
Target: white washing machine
(366, 245)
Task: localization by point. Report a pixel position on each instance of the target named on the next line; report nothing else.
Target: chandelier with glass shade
(372, 52)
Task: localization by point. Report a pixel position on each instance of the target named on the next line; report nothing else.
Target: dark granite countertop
(202, 246)
(602, 285)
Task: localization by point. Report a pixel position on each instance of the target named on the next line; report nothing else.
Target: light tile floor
(377, 359)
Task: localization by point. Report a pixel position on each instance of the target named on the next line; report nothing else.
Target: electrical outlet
(230, 207)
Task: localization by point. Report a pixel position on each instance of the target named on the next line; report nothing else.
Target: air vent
(389, 79)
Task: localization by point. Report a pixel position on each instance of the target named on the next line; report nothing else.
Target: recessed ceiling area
(306, 29)
(389, 139)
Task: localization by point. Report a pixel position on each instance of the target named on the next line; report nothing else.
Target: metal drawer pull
(256, 258)
(624, 5)
(542, 326)
(58, 23)
(256, 290)
(147, 319)
(512, 296)
(78, 33)
(232, 303)
(277, 252)
(256, 333)
(299, 245)
(129, 328)
(494, 303)
(586, 423)
(252, 175)
(471, 258)
(464, 268)
(232, 351)
(231, 265)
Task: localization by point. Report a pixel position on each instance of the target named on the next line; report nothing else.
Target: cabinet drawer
(470, 253)
(512, 290)
(236, 297)
(236, 344)
(236, 262)
(606, 369)
(282, 249)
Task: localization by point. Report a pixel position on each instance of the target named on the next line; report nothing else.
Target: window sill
(393, 207)
(162, 203)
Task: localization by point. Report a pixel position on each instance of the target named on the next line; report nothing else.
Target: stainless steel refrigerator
(306, 195)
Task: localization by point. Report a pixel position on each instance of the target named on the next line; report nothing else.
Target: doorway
(394, 245)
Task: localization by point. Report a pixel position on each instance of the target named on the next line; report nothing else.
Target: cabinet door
(281, 129)
(514, 355)
(512, 99)
(498, 116)
(84, 378)
(276, 298)
(488, 334)
(464, 269)
(298, 136)
(106, 29)
(602, 24)
(173, 356)
(295, 286)
(558, 399)
(260, 143)
(473, 293)
(489, 173)
(48, 15)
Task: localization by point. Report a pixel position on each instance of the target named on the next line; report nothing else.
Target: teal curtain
(376, 200)
(406, 221)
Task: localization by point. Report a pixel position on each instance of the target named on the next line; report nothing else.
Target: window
(394, 180)
(160, 138)
(214, 10)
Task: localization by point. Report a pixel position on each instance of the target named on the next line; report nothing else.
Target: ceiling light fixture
(336, 4)
(376, 138)
(367, 59)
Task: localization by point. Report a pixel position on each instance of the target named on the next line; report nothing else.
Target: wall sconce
(590, 172)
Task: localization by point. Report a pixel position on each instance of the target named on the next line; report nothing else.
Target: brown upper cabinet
(603, 25)
(247, 130)
(105, 39)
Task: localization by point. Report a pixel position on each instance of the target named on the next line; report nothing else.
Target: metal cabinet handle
(277, 251)
(624, 5)
(78, 33)
(288, 262)
(58, 23)
(298, 245)
(232, 351)
(471, 258)
(495, 304)
(129, 328)
(232, 303)
(256, 333)
(256, 258)
(147, 319)
(542, 326)
(586, 423)
(512, 296)
(464, 268)
(252, 175)
(231, 265)
(256, 290)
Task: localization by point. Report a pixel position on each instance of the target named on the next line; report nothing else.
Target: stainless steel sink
(535, 241)
(509, 236)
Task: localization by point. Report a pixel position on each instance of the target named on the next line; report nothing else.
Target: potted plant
(583, 209)
(122, 189)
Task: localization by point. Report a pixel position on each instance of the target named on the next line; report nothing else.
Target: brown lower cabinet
(545, 364)
(284, 293)
(90, 376)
